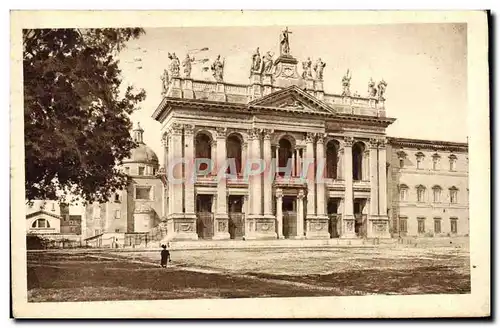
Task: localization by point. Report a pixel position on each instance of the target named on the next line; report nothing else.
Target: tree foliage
(76, 113)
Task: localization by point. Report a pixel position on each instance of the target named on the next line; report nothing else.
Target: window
(453, 162)
(403, 193)
(403, 224)
(117, 214)
(117, 230)
(436, 161)
(143, 192)
(53, 207)
(437, 225)
(436, 193)
(401, 163)
(420, 194)
(453, 225)
(141, 170)
(117, 197)
(420, 160)
(453, 195)
(40, 223)
(421, 225)
(154, 171)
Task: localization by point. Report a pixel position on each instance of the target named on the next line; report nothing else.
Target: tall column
(268, 182)
(176, 186)
(221, 217)
(382, 177)
(320, 185)
(279, 213)
(299, 160)
(373, 144)
(311, 192)
(188, 173)
(276, 159)
(300, 214)
(255, 180)
(244, 152)
(294, 166)
(165, 151)
(348, 217)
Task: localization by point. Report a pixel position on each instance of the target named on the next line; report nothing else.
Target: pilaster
(348, 216)
(310, 175)
(221, 216)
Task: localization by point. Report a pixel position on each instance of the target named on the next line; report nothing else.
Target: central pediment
(293, 98)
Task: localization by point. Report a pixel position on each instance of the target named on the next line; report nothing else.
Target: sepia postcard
(250, 164)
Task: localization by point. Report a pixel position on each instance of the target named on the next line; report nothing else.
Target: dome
(142, 153)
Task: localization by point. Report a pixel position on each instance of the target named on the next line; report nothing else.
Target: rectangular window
(117, 214)
(403, 194)
(419, 163)
(403, 224)
(117, 230)
(141, 170)
(437, 225)
(421, 225)
(420, 195)
(453, 225)
(437, 195)
(143, 192)
(453, 196)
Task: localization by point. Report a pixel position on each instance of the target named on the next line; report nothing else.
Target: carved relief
(222, 225)
(254, 133)
(309, 137)
(350, 226)
(382, 143)
(183, 227)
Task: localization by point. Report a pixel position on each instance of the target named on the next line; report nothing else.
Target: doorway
(236, 217)
(360, 224)
(204, 217)
(334, 217)
(289, 216)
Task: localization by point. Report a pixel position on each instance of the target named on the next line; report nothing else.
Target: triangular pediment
(293, 98)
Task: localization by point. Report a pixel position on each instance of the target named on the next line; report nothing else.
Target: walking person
(165, 256)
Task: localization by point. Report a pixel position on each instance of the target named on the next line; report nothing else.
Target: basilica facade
(346, 178)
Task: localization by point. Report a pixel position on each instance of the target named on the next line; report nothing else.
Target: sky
(425, 66)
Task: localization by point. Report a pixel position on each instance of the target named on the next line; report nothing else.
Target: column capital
(320, 137)
(300, 195)
(348, 141)
(267, 134)
(176, 129)
(279, 193)
(221, 132)
(382, 142)
(254, 133)
(373, 143)
(310, 137)
(189, 129)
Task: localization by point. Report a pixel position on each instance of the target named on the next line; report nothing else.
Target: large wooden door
(236, 217)
(289, 224)
(204, 217)
(334, 225)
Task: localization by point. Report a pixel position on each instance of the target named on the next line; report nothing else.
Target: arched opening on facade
(285, 154)
(358, 150)
(332, 159)
(203, 153)
(234, 152)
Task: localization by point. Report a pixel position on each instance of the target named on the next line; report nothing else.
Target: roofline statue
(285, 42)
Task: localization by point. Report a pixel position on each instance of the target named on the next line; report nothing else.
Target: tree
(76, 113)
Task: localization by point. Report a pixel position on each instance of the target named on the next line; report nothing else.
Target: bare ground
(86, 276)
